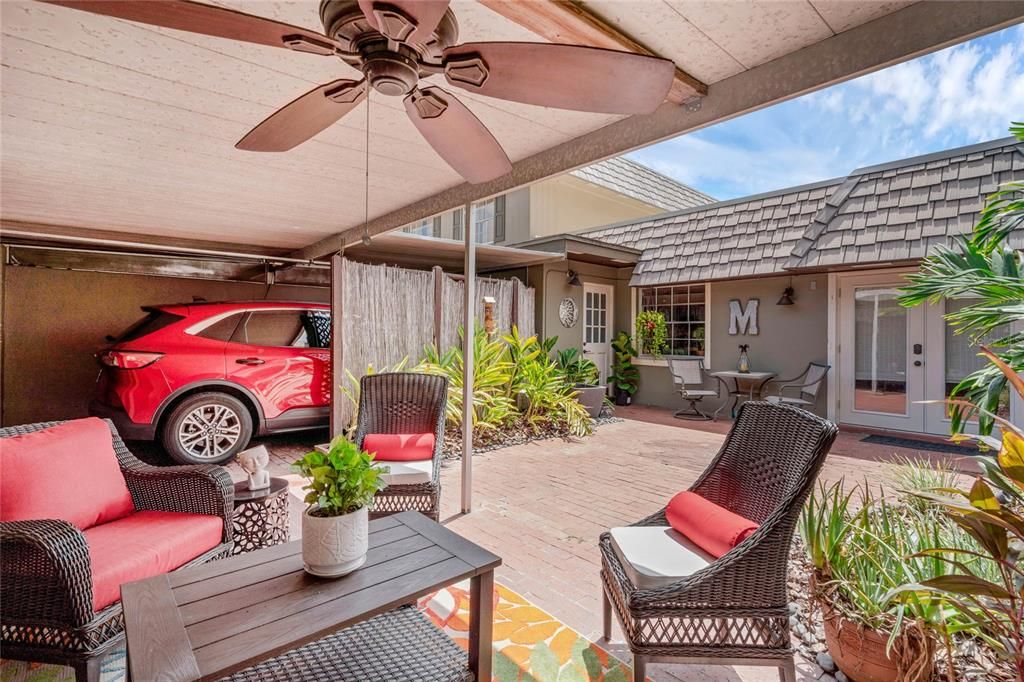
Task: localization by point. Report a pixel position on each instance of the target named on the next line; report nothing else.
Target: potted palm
(335, 525)
(625, 375)
(583, 375)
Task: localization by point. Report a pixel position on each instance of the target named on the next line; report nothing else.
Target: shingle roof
(892, 212)
(642, 183)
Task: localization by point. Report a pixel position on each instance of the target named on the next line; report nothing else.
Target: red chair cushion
(714, 529)
(400, 447)
(145, 544)
(67, 472)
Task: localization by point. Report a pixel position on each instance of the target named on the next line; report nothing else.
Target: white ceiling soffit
(117, 126)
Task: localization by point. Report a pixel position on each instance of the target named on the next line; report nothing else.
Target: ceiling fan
(396, 43)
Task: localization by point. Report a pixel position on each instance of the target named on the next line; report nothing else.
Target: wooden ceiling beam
(567, 22)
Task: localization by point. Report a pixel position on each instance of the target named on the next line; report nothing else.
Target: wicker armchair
(45, 569)
(405, 402)
(732, 610)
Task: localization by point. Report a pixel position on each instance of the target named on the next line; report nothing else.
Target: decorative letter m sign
(743, 321)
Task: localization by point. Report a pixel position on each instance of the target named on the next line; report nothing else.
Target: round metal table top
(243, 494)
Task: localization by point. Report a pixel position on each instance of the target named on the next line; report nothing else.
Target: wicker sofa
(405, 403)
(47, 565)
(676, 604)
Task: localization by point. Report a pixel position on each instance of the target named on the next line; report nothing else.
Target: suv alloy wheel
(207, 428)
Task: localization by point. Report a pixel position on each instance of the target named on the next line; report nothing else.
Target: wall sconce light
(574, 278)
(787, 297)
(489, 324)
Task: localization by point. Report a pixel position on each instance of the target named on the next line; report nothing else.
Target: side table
(261, 516)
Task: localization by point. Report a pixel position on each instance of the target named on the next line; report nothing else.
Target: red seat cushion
(714, 529)
(67, 472)
(400, 447)
(145, 544)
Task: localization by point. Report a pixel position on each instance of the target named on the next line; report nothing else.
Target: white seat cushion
(696, 392)
(655, 556)
(414, 472)
(787, 400)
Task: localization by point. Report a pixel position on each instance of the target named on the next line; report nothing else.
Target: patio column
(469, 270)
(337, 343)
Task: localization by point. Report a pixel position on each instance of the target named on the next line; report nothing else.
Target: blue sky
(961, 95)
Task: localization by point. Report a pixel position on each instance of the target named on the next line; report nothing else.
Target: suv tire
(206, 428)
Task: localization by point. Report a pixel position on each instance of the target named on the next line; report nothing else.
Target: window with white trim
(685, 309)
(488, 221)
(428, 227)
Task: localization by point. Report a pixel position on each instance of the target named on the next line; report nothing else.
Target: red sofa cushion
(400, 447)
(714, 529)
(145, 544)
(67, 472)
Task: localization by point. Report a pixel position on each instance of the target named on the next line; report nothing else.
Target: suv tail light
(128, 359)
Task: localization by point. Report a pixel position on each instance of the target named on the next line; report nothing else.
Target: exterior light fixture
(574, 278)
(787, 294)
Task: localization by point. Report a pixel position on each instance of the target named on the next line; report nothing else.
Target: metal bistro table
(258, 617)
(261, 516)
(755, 382)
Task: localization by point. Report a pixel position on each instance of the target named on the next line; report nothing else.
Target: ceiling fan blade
(197, 17)
(413, 22)
(302, 118)
(457, 135)
(561, 76)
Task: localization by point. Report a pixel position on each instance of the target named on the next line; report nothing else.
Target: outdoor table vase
(756, 382)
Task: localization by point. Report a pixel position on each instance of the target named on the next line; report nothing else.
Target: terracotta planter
(860, 652)
(592, 398)
(333, 546)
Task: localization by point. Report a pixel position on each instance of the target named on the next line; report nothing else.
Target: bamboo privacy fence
(389, 312)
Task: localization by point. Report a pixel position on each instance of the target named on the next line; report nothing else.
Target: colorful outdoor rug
(529, 645)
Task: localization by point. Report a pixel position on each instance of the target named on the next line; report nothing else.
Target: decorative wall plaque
(568, 312)
(743, 320)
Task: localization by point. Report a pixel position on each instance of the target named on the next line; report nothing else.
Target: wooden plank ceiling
(117, 126)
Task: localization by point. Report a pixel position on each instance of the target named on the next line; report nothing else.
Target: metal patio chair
(688, 376)
(677, 604)
(408, 403)
(806, 385)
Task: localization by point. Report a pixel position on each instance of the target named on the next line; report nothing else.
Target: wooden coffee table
(210, 621)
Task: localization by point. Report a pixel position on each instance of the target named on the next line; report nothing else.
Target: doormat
(530, 645)
(914, 444)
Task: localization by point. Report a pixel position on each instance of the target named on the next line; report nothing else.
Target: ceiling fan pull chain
(366, 197)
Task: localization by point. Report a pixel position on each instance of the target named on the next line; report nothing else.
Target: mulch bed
(485, 440)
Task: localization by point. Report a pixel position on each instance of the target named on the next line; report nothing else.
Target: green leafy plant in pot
(651, 332)
(335, 525)
(625, 375)
(582, 375)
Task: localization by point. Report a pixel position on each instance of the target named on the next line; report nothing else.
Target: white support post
(469, 333)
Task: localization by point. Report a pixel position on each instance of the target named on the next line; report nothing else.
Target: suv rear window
(271, 328)
(154, 321)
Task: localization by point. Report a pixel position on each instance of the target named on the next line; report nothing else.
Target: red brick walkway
(541, 507)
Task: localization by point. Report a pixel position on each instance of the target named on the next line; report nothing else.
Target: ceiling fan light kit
(398, 43)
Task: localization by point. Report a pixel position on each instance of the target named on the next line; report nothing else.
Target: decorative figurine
(254, 461)
(744, 363)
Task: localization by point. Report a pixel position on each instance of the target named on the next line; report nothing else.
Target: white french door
(892, 358)
(881, 355)
(597, 326)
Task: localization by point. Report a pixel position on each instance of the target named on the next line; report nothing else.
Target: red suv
(204, 377)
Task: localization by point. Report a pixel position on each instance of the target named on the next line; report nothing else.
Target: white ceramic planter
(334, 545)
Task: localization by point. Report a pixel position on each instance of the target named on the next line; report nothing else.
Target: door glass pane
(962, 355)
(880, 351)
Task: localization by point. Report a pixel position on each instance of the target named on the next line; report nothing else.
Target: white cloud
(964, 94)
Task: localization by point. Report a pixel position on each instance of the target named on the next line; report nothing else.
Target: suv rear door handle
(250, 361)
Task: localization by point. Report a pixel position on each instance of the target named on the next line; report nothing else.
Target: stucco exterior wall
(568, 204)
(789, 338)
(54, 321)
(555, 286)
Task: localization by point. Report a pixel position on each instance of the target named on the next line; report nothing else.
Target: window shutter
(457, 228)
(499, 218)
(437, 226)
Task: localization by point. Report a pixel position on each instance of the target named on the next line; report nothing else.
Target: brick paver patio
(541, 506)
